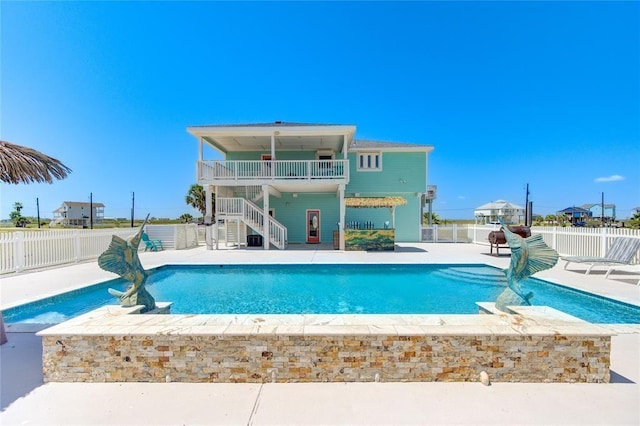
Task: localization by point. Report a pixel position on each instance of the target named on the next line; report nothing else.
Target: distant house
(597, 213)
(490, 212)
(74, 213)
(575, 214)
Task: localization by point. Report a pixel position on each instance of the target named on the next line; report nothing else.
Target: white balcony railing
(291, 170)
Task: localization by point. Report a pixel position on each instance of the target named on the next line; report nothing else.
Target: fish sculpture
(528, 256)
(122, 258)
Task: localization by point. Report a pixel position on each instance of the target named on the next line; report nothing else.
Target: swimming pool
(327, 289)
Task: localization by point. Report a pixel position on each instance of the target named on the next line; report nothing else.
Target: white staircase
(233, 208)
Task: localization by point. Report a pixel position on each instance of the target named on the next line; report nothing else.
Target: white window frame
(365, 161)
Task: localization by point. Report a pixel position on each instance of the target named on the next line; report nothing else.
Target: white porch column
(273, 153)
(216, 227)
(342, 215)
(207, 217)
(273, 145)
(267, 218)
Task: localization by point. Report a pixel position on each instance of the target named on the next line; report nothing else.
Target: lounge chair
(151, 245)
(633, 268)
(621, 252)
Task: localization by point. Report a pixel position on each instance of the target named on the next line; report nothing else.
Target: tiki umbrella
(26, 165)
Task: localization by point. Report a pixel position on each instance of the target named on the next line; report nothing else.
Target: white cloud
(461, 197)
(612, 178)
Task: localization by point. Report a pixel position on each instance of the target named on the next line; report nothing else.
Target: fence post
(76, 245)
(603, 242)
(455, 232)
(554, 238)
(18, 251)
(435, 233)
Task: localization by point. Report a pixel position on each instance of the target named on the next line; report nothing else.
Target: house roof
(606, 206)
(368, 202)
(574, 210)
(272, 124)
(498, 205)
(293, 136)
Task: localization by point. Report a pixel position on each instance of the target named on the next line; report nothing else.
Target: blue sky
(508, 93)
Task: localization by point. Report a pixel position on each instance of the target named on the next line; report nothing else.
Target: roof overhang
(287, 137)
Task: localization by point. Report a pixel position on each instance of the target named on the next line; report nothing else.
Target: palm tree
(21, 164)
(196, 199)
(186, 218)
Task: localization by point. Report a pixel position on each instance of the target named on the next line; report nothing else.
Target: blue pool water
(327, 289)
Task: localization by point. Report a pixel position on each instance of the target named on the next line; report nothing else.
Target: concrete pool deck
(26, 400)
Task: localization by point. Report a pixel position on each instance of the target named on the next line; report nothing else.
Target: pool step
(473, 275)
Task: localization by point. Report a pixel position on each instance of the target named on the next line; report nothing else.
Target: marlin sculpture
(528, 256)
(122, 258)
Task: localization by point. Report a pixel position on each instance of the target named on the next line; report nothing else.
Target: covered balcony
(289, 172)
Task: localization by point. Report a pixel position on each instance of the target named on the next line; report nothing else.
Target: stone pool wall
(321, 348)
(237, 359)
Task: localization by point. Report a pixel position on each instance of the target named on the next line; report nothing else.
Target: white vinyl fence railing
(25, 250)
(567, 241)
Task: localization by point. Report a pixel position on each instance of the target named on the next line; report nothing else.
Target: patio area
(25, 399)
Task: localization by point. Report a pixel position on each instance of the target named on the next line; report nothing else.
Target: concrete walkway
(26, 400)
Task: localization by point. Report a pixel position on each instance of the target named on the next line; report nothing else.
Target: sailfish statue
(528, 256)
(122, 258)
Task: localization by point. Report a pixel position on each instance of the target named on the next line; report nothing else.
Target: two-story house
(75, 213)
(490, 213)
(606, 215)
(306, 183)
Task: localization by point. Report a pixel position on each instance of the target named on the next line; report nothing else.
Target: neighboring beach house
(597, 211)
(490, 212)
(575, 215)
(309, 183)
(74, 213)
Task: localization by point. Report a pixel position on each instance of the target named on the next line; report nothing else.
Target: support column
(216, 227)
(267, 218)
(207, 217)
(342, 215)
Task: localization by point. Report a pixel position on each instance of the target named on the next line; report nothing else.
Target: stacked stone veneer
(238, 359)
(138, 350)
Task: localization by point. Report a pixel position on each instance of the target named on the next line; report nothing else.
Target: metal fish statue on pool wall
(528, 256)
(122, 258)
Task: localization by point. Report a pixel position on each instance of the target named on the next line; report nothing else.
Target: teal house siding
(292, 212)
(401, 172)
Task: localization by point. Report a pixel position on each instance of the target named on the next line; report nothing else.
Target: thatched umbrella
(26, 165)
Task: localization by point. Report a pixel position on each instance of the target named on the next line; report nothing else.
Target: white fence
(25, 250)
(567, 241)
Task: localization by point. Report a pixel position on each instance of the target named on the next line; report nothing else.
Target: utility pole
(526, 208)
(91, 210)
(133, 203)
(38, 210)
(602, 209)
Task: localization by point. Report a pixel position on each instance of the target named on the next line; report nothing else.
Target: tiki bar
(367, 235)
